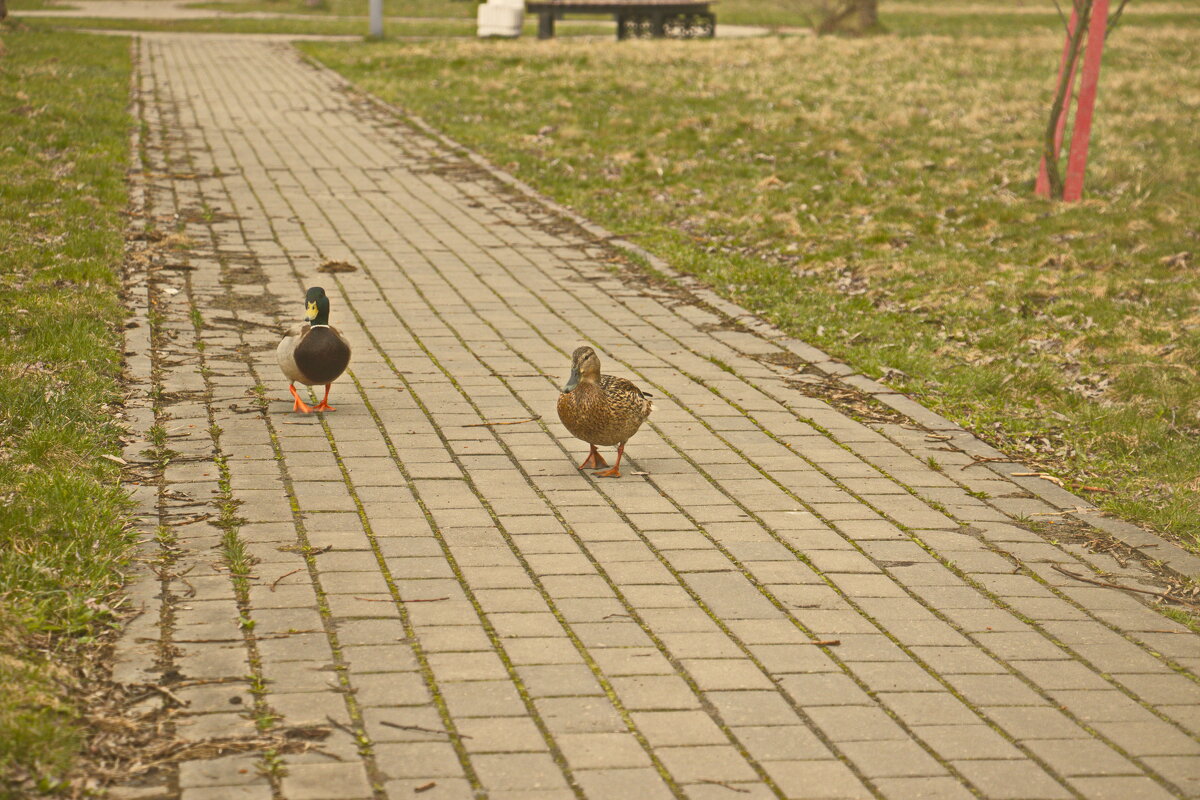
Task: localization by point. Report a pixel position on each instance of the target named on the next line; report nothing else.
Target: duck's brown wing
(620, 386)
(625, 399)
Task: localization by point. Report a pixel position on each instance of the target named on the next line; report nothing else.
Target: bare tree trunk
(835, 16)
(853, 16)
(868, 15)
(3, 9)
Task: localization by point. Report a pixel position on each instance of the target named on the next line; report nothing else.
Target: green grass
(63, 534)
(873, 197)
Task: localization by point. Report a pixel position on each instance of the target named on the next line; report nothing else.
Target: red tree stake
(1080, 136)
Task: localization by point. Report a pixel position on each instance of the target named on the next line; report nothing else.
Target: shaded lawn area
(63, 514)
(873, 197)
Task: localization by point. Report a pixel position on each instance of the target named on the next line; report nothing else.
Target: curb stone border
(1173, 557)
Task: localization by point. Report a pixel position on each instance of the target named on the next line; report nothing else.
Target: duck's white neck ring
(317, 326)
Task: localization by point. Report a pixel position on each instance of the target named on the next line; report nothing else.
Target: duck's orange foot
(324, 404)
(615, 472)
(299, 405)
(594, 460)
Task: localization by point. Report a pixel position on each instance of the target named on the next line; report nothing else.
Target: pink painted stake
(1042, 187)
(1081, 134)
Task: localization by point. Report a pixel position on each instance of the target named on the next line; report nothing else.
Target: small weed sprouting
(721, 364)
(933, 464)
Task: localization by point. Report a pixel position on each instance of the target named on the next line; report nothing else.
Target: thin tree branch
(1115, 18)
(1066, 23)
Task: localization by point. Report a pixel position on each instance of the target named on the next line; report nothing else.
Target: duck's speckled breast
(605, 414)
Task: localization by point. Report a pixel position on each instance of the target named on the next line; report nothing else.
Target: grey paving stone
(602, 750)
(613, 783)
(1014, 780)
(820, 780)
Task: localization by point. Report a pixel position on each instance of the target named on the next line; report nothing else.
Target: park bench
(635, 18)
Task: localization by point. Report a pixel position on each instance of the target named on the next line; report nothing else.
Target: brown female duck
(601, 409)
(313, 352)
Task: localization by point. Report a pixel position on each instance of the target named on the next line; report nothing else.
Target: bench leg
(545, 24)
(658, 28)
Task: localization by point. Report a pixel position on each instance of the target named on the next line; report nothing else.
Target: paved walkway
(776, 600)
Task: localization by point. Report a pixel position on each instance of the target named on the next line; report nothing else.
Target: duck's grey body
(313, 354)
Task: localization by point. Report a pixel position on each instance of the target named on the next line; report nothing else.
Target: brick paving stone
(819, 780)
(1011, 780)
(519, 771)
(633, 638)
(326, 782)
(1120, 787)
(442, 789)
(598, 750)
(617, 784)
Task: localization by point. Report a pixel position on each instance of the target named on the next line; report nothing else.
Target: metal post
(376, 13)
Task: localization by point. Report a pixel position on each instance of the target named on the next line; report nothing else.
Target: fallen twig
(341, 727)
(724, 785)
(824, 642)
(1069, 511)
(188, 520)
(980, 460)
(424, 600)
(373, 599)
(425, 787)
(494, 424)
(1106, 584)
(165, 692)
(420, 729)
(1043, 475)
(207, 682)
(284, 575)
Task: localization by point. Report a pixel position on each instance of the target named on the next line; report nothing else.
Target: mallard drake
(601, 409)
(313, 352)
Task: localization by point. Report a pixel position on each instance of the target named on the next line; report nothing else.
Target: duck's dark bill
(573, 381)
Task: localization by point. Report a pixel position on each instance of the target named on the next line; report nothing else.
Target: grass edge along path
(1084, 317)
(64, 518)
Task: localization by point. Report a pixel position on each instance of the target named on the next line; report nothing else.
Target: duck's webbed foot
(615, 472)
(324, 404)
(594, 460)
(299, 405)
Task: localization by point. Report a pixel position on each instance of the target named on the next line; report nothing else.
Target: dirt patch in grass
(873, 197)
